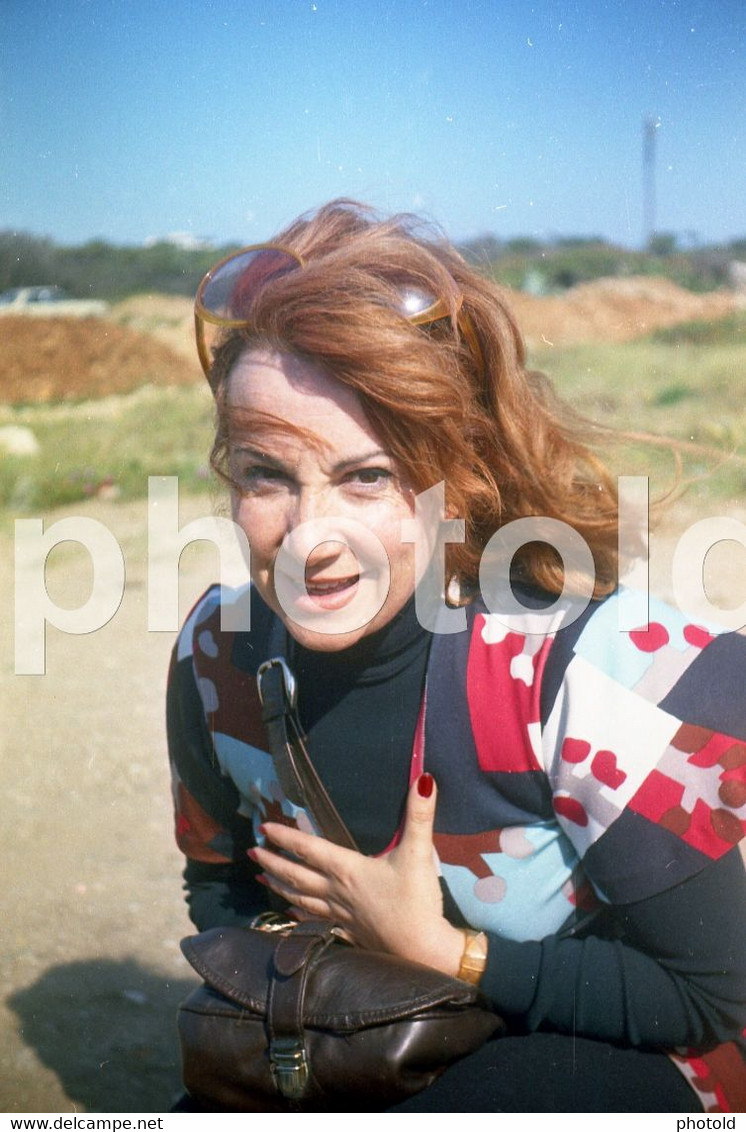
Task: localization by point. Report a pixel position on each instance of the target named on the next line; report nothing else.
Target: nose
(315, 527)
(311, 505)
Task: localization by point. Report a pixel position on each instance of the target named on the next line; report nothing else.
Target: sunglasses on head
(226, 295)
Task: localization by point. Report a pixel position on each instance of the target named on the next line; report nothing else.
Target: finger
(420, 816)
(297, 913)
(288, 872)
(286, 837)
(314, 851)
(343, 933)
(302, 906)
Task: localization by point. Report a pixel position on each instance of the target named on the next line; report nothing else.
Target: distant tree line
(102, 270)
(531, 264)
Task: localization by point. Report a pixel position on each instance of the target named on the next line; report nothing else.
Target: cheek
(262, 526)
(400, 554)
(403, 567)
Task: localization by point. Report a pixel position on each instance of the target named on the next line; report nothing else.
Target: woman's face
(317, 475)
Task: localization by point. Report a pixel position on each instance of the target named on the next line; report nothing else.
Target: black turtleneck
(359, 709)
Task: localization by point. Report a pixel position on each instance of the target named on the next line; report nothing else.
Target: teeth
(329, 587)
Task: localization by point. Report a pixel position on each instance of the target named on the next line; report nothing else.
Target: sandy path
(92, 910)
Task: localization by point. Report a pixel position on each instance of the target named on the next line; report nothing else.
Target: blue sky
(125, 119)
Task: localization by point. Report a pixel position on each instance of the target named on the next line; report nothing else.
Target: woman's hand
(391, 903)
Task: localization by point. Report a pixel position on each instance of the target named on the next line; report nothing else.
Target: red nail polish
(261, 879)
(251, 854)
(425, 784)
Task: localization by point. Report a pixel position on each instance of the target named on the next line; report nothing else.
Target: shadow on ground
(107, 1029)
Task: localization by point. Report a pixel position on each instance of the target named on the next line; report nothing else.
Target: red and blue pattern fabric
(582, 767)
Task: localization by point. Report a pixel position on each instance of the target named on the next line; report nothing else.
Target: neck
(325, 677)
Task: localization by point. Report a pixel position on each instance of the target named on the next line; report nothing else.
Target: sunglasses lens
(227, 294)
(420, 306)
(229, 289)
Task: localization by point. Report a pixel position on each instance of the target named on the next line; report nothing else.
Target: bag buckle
(288, 680)
(271, 922)
(287, 1058)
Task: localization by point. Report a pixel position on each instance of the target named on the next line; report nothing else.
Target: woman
(564, 802)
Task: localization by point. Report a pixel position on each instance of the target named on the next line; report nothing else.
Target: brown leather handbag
(290, 1016)
(299, 1020)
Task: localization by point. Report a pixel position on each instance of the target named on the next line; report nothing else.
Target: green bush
(730, 330)
(566, 262)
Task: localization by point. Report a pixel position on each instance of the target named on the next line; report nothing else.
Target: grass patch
(672, 394)
(108, 448)
(728, 331)
(689, 392)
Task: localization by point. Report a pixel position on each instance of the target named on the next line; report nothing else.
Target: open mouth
(321, 588)
(330, 594)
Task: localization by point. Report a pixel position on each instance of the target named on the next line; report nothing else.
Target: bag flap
(347, 987)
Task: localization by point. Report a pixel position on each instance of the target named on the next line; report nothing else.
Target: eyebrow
(341, 466)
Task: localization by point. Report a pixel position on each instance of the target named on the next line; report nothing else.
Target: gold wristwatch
(474, 956)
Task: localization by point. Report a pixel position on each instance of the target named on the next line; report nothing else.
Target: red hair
(448, 406)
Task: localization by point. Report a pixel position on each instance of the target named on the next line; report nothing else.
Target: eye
(369, 478)
(254, 476)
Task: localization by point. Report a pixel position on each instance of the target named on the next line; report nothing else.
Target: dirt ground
(614, 310)
(58, 359)
(150, 338)
(93, 913)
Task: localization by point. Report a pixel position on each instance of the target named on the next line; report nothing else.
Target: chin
(312, 629)
(330, 642)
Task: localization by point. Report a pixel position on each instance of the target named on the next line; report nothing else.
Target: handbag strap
(285, 1005)
(298, 777)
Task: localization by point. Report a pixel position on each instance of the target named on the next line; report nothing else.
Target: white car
(49, 301)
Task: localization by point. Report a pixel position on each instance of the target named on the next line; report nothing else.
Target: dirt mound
(169, 318)
(152, 308)
(614, 310)
(606, 310)
(56, 359)
(150, 338)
